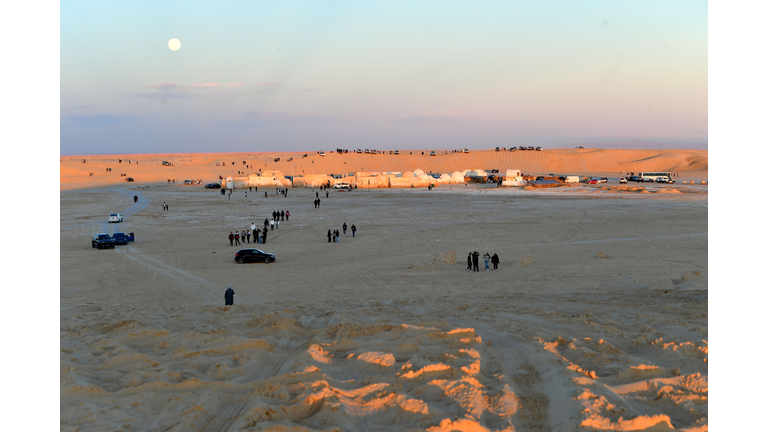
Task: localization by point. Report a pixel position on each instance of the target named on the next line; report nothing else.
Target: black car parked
(122, 238)
(253, 255)
(212, 186)
(103, 241)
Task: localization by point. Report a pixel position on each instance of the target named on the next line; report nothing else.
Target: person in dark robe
(469, 262)
(354, 228)
(264, 237)
(288, 215)
(329, 236)
(229, 297)
(231, 239)
(495, 261)
(282, 215)
(476, 261)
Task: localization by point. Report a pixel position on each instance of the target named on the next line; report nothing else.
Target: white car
(623, 180)
(115, 217)
(322, 153)
(341, 186)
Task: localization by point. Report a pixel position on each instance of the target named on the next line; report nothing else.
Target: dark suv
(253, 255)
(102, 241)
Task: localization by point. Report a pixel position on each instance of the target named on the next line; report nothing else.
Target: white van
(572, 179)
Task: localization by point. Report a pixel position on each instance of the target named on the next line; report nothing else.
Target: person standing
(272, 225)
(495, 261)
(329, 236)
(237, 238)
(231, 238)
(476, 261)
(273, 214)
(242, 236)
(469, 262)
(353, 230)
(282, 215)
(317, 194)
(318, 203)
(229, 297)
(344, 227)
(253, 227)
(487, 260)
(277, 224)
(266, 224)
(264, 237)
(288, 215)
(326, 194)
(248, 236)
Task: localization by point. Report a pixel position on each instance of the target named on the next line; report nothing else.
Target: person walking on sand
(354, 228)
(329, 236)
(272, 225)
(253, 226)
(469, 262)
(344, 228)
(277, 224)
(248, 236)
(495, 261)
(266, 224)
(237, 238)
(317, 194)
(273, 214)
(475, 261)
(231, 238)
(326, 194)
(487, 260)
(229, 297)
(287, 215)
(264, 237)
(282, 215)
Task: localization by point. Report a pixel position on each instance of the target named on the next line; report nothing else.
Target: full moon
(174, 44)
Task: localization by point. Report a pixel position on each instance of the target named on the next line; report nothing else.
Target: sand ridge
(148, 168)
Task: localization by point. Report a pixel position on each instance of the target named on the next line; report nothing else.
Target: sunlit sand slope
(76, 174)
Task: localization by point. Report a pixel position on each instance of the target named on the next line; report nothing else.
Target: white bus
(654, 176)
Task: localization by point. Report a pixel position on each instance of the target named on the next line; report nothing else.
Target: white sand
(604, 327)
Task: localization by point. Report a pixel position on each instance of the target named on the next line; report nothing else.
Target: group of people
(282, 214)
(259, 235)
(317, 202)
(473, 261)
(334, 235)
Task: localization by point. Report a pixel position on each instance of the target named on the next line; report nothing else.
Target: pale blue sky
(306, 75)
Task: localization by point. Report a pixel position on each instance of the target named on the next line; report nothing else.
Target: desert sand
(596, 320)
(691, 164)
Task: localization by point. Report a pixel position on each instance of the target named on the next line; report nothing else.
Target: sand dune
(596, 320)
(147, 168)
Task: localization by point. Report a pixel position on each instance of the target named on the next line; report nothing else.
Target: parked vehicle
(166, 163)
(466, 150)
(322, 153)
(358, 151)
(571, 179)
(538, 148)
(530, 148)
(661, 180)
(512, 148)
(432, 153)
(189, 182)
(539, 178)
(253, 255)
(120, 238)
(497, 149)
(624, 180)
(341, 186)
(129, 179)
(647, 179)
(521, 148)
(103, 241)
(213, 186)
(635, 179)
(115, 217)
(603, 179)
(593, 182)
(367, 151)
(397, 152)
